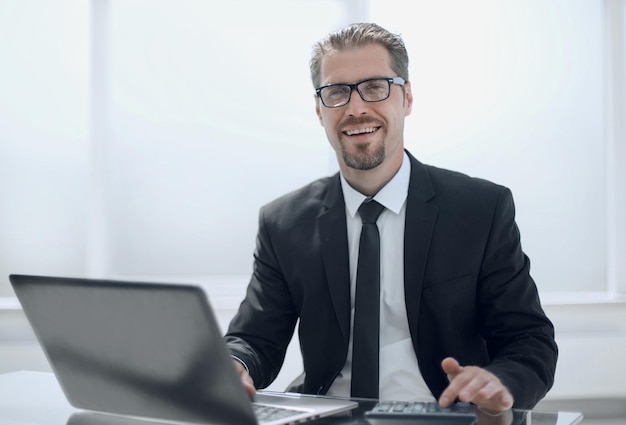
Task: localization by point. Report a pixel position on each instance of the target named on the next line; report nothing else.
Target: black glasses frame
(390, 80)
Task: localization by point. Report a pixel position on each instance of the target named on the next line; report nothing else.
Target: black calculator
(423, 413)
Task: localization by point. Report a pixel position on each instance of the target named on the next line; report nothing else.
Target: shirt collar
(391, 196)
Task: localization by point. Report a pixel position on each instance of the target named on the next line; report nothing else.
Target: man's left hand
(472, 384)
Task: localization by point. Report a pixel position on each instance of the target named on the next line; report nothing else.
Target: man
(460, 318)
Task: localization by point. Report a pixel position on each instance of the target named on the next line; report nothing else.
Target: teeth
(360, 131)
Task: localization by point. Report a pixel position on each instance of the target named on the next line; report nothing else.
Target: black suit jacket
(468, 290)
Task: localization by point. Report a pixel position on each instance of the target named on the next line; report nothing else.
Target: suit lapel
(334, 242)
(419, 225)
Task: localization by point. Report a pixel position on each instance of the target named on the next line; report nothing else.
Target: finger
(499, 403)
(472, 384)
(506, 401)
(458, 383)
(494, 396)
(479, 382)
(248, 385)
(451, 366)
(246, 379)
(487, 391)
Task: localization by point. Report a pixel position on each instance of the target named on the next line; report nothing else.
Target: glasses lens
(374, 90)
(336, 95)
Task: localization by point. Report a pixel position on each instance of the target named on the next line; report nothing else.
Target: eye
(374, 86)
(336, 92)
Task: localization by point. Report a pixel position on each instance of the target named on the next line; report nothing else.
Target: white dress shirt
(399, 374)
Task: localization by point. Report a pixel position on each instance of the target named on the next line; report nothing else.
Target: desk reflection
(29, 398)
(511, 417)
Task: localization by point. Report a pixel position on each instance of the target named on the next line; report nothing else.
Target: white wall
(139, 142)
(44, 137)
(514, 92)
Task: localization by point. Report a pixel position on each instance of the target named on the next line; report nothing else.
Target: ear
(408, 99)
(317, 108)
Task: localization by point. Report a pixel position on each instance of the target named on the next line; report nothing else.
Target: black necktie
(367, 305)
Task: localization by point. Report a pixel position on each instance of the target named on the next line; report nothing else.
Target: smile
(361, 131)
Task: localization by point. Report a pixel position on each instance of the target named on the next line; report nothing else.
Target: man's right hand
(246, 379)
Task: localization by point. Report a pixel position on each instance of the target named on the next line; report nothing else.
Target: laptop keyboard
(267, 413)
(388, 410)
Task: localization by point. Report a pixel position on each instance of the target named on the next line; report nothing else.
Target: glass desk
(35, 398)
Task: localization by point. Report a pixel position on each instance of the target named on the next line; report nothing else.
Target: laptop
(147, 350)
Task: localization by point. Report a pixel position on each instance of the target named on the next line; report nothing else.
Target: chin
(366, 161)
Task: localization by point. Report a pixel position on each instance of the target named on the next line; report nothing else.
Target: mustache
(360, 120)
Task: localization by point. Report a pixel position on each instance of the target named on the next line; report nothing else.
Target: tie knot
(370, 210)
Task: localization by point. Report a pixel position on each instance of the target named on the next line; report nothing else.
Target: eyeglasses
(371, 90)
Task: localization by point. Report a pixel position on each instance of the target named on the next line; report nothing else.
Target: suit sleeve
(519, 336)
(261, 330)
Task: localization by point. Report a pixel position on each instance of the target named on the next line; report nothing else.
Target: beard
(363, 159)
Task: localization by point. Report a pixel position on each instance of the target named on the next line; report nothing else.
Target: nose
(356, 105)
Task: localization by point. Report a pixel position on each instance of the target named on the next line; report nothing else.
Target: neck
(369, 182)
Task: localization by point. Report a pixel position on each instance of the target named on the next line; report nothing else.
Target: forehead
(356, 64)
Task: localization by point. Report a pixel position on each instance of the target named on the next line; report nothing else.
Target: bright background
(138, 139)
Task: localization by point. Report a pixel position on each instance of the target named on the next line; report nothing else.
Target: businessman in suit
(459, 314)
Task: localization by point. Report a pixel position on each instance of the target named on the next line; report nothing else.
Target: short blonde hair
(358, 35)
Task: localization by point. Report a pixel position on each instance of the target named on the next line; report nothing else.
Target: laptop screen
(140, 349)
